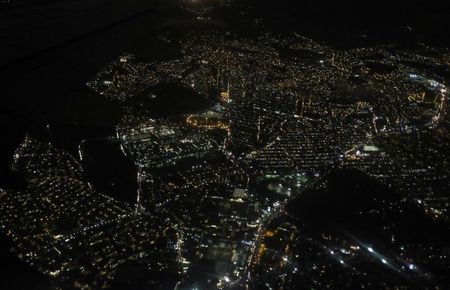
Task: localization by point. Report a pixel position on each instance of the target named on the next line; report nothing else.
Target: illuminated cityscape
(214, 145)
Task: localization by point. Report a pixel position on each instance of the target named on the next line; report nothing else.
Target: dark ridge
(109, 170)
(349, 197)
